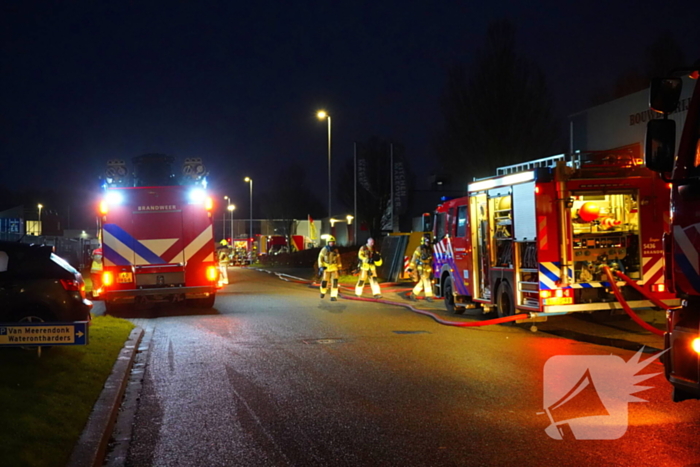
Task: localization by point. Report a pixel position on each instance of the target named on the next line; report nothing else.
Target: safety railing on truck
(626, 156)
(550, 161)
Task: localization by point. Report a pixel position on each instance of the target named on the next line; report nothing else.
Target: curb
(91, 448)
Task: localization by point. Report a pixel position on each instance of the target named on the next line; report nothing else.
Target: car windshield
(63, 263)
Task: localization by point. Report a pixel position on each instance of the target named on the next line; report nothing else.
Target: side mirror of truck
(660, 146)
(664, 94)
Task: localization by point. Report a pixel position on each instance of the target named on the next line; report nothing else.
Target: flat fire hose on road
(506, 319)
(461, 324)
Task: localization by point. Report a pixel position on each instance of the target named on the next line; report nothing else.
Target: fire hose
(462, 324)
(626, 306)
(506, 319)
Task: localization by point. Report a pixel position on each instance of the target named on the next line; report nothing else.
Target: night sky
(238, 84)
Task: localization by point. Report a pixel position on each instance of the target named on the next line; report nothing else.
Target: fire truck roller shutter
(524, 218)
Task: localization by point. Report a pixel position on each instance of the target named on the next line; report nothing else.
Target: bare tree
(496, 113)
(662, 56)
(291, 198)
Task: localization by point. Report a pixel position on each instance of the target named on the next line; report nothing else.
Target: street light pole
(321, 115)
(354, 165)
(231, 208)
(223, 221)
(39, 227)
(250, 180)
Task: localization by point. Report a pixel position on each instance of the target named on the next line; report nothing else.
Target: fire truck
(535, 238)
(156, 232)
(682, 242)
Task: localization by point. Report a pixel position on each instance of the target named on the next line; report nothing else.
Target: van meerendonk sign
(43, 334)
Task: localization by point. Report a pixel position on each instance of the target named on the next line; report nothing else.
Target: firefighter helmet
(425, 240)
(330, 239)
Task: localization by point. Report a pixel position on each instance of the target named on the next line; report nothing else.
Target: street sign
(43, 334)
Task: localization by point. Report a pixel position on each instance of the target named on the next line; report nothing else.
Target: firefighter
(369, 260)
(224, 251)
(96, 271)
(421, 262)
(329, 265)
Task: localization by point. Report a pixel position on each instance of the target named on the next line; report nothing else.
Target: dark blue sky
(238, 83)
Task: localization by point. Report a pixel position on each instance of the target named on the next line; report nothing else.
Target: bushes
(309, 258)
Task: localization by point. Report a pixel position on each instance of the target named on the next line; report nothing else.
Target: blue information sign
(43, 334)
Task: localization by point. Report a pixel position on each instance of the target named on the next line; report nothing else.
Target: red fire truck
(535, 237)
(682, 242)
(157, 236)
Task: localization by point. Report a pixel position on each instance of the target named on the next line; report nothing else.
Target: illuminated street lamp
(322, 114)
(250, 180)
(349, 218)
(40, 206)
(231, 208)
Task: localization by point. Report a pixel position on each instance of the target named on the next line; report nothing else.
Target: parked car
(37, 285)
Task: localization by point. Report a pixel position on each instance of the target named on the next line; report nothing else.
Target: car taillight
(73, 286)
(212, 273)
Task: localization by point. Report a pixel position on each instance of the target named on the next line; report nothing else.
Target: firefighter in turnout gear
(421, 268)
(96, 271)
(329, 264)
(370, 259)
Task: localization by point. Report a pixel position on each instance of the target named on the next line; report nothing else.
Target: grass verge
(45, 402)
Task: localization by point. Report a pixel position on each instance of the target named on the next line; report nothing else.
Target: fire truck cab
(682, 243)
(156, 233)
(535, 237)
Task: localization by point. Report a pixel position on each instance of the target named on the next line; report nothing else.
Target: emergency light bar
(502, 181)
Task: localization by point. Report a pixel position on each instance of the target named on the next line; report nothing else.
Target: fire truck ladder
(550, 161)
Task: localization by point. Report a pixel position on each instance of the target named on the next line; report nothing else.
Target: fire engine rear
(157, 236)
(536, 237)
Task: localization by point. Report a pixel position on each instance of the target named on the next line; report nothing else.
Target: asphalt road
(274, 376)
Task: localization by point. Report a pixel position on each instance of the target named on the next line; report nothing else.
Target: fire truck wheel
(504, 301)
(207, 302)
(450, 298)
(679, 395)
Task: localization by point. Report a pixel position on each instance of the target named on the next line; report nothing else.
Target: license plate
(125, 277)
